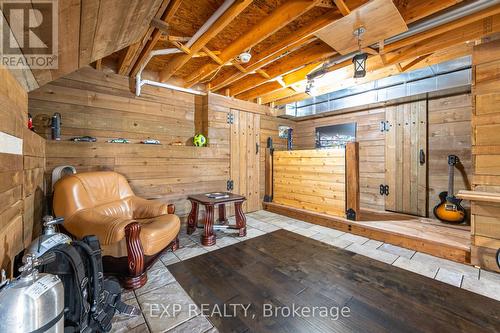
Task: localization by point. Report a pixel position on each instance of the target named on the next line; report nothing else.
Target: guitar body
(449, 209)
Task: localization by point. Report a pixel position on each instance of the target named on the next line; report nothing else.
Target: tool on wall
(289, 145)
(268, 185)
(450, 209)
(55, 125)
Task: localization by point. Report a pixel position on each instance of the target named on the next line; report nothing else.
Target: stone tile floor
(157, 297)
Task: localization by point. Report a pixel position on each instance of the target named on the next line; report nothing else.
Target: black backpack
(90, 300)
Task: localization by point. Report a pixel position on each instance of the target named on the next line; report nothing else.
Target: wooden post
(352, 180)
(268, 192)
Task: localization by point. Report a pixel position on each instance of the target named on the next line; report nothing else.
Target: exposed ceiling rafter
(299, 39)
(141, 51)
(280, 17)
(419, 51)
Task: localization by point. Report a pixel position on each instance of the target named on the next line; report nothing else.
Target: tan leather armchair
(132, 231)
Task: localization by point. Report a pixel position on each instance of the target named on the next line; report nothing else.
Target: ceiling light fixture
(359, 60)
(245, 57)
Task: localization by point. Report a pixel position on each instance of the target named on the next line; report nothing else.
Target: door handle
(422, 157)
(256, 148)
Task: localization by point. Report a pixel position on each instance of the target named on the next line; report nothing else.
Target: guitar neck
(451, 179)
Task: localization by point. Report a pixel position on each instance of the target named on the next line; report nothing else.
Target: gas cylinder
(34, 301)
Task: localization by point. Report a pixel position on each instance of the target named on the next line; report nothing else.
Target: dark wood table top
(283, 268)
(204, 200)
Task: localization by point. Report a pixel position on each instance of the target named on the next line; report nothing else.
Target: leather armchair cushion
(158, 232)
(143, 209)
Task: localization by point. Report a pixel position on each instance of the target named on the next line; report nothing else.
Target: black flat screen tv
(335, 136)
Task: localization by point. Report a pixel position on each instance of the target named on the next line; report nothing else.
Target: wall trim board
(10, 144)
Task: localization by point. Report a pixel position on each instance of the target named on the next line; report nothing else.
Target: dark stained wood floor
(282, 268)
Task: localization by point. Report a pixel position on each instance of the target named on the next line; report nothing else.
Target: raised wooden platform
(286, 270)
(420, 234)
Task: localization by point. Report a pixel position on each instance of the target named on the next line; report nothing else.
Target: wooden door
(245, 134)
(406, 158)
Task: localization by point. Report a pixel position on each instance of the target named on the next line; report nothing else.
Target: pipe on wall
(213, 18)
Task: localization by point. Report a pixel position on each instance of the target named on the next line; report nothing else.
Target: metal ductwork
(455, 13)
(445, 76)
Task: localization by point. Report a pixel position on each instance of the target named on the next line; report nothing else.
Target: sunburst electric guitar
(450, 209)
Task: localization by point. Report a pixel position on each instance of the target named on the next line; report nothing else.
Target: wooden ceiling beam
(442, 29)
(422, 50)
(161, 25)
(212, 55)
(169, 38)
(414, 10)
(299, 38)
(258, 91)
(280, 17)
(303, 57)
(130, 55)
(411, 10)
(377, 71)
(300, 74)
(376, 68)
(326, 4)
(472, 31)
(414, 62)
(227, 17)
(263, 74)
(181, 47)
(144, 52)
(344, 10)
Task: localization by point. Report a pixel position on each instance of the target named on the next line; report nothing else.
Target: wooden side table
(208, 236)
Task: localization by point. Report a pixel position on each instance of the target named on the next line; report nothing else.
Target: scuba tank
(49, 237)
(55, 125)
(34, 302)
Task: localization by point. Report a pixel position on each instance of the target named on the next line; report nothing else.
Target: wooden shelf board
(479, 196)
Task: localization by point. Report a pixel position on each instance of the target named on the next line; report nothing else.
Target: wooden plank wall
(34, 184)
(486, 153)
(449, 123)
(310, 179)
(449, 133)
(21, 163)
(371, 149)
(101, 105)
(213, 122)
(269, 129)
(90, 30)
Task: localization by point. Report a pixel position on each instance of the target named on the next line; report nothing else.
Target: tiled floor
(157, 296)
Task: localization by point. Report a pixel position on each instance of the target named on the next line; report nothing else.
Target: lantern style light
(359, 60)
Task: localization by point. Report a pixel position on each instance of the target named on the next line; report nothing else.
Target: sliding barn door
(406, 158)
(245, 134)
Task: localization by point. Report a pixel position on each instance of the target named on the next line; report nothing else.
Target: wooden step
(418, 234)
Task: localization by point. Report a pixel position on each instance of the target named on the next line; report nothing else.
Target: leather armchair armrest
(108, 229)
(143, 209)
